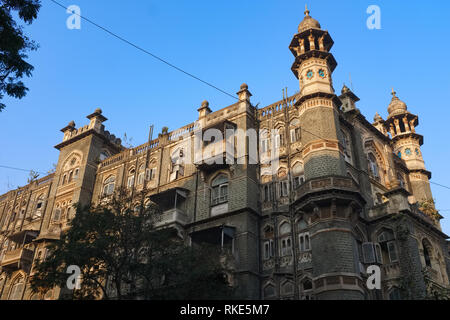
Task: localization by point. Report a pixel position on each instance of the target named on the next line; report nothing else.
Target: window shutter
(392, 252)
(378, 253)
(293, 135)
(369, 253)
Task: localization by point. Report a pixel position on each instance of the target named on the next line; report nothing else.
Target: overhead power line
(19, 169)
(147, 52)
(172, 66)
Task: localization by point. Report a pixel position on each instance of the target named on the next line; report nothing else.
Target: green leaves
(123, 256)
(13, 47)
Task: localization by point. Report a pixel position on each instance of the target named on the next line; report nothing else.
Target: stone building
(306, 193)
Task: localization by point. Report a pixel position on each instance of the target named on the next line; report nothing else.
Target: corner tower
(329, 200)
(318, 105)
(406, 143)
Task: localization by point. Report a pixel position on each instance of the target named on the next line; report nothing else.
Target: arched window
(295, 131)
(75, 174)
(16, 289)
(39, 207)
(219, 193)
(279, 138)
(299, 175)
(285, 239)
(130, 181)
(388, 245)
(427, 251)
(264, 141)
(268, 242)
(176, 170)
(141, 175)
(306, 290)
(267, 195)
(108, 186)
(304, 242)
(373, 166)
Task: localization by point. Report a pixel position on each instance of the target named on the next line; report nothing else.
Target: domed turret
(308, 22)
(396, 106)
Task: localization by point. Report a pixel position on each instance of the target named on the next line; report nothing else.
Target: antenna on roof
(150, 133)
(351, 83)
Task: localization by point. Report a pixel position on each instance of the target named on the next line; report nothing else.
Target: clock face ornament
(322, 73)
(309, 75)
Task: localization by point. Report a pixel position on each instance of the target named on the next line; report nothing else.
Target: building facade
(305, 193)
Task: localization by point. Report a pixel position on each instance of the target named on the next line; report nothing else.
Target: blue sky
(226, 43)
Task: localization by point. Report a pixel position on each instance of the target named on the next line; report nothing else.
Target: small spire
(394, 93)
(306, 10)
(345, 89)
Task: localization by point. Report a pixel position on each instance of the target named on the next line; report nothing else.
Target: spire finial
(306, 10)
(393, 93)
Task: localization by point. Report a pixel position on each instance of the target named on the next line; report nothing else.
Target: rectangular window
(150, 174)
(268, 249)
(141, 178)
(130, 182)
(295, 134)
(284, 188)
(219, 194)
(304, 242)
(267, 193)
(57, 215)
(298, 181)
(293, 139)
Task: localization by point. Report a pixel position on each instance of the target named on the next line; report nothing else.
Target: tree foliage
(14, 45)
(122, 255)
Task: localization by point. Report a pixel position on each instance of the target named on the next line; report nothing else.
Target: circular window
(408, 152)
(417, 152)
(309, 74)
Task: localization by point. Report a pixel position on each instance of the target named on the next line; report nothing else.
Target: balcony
(17, 259)
(172, 216)
(172, 204)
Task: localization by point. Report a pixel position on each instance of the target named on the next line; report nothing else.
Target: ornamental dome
(308, 23)
(396, 106)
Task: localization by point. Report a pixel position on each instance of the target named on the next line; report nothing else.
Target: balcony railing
(17, 259)
(172, 216)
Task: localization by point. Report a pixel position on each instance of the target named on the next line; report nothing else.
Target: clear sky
(226, 43)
